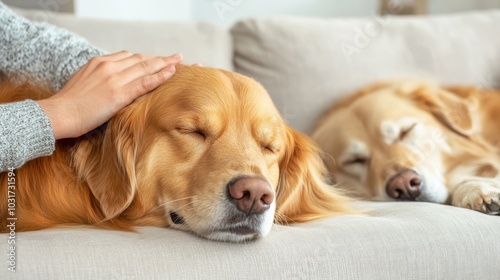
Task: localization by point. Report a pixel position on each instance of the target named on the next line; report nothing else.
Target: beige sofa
(305, 64)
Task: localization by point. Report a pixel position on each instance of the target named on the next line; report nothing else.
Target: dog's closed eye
(398, 130)
(356, 154)
(270, 148)
(192, 131)
(406, 131)
(355, 160)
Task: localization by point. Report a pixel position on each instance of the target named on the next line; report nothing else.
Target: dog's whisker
(183, 206)
(168, 202)
(179, 199)
(281, 218)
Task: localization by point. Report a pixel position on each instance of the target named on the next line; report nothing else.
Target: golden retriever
(410, 140)
(206, 152)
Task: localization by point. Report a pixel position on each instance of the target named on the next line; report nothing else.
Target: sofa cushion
(405, 240)
(307, 64)
(199, 42)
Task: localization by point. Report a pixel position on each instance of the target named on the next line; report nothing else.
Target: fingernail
(170, 69)
(167, 73)
(177, 56)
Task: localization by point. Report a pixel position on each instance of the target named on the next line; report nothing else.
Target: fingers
(118, 55)
(149, 67)
(194, 64)
(122, 61)
(132, 60)
(148, 83)
(98, 61)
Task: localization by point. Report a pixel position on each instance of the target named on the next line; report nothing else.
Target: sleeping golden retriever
(410, 140)
(206, 152)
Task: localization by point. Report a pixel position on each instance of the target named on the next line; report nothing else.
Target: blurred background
(226, 12)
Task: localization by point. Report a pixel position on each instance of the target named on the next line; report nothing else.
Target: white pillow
(307, 64)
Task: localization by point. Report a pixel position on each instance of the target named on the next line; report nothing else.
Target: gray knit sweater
(42, 53)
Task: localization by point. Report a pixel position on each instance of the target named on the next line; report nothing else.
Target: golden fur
(174, 149)
(442, 140)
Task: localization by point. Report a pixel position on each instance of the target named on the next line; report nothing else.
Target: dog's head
(206, 152)
(392, 141)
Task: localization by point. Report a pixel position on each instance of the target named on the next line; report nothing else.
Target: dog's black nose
(251, 195)
(406, 185)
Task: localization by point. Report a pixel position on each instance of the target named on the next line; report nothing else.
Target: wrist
(57, 117)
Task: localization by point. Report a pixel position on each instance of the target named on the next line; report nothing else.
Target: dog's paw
(481, 195)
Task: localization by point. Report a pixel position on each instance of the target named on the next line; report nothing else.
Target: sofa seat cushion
(398, 240)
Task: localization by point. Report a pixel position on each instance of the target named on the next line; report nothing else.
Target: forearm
(43, 54)
(25, 133)
(40, 51)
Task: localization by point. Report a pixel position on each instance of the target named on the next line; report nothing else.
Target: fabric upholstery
(307, 64)
(199, 42)
(396, 241)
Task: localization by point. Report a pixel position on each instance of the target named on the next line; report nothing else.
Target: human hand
(102, 87)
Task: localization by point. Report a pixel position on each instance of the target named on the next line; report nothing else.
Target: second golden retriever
(411, 140)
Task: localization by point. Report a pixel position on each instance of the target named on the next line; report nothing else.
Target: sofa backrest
(199, 42)
(307, 64)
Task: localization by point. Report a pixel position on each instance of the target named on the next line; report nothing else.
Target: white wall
(226, 12)
(135, 9)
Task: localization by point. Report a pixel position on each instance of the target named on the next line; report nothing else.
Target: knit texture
(27, 120)
(44, 54)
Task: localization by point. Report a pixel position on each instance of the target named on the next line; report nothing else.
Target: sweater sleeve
(25, 133)
(44, 54)
(40, 51)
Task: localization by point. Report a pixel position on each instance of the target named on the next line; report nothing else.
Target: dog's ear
(456, 112)
(108, 164)
(303, 193)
